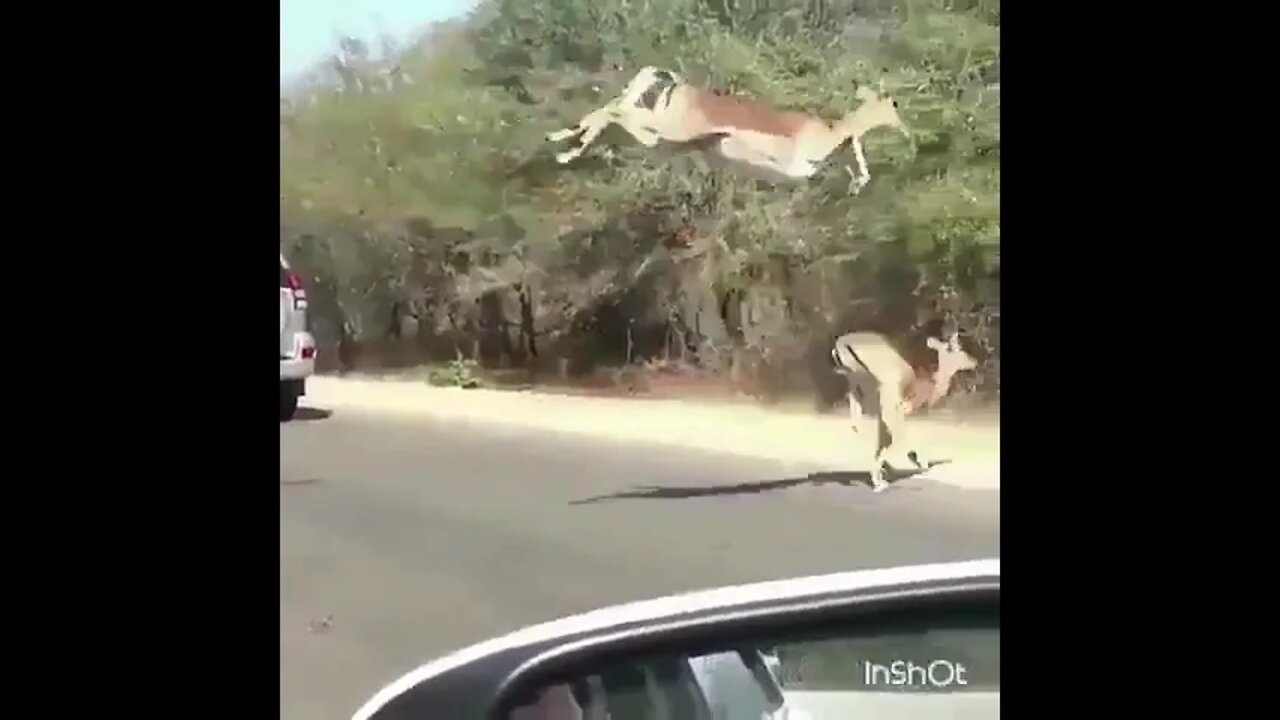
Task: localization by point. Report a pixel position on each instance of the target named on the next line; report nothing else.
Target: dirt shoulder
(791, 435)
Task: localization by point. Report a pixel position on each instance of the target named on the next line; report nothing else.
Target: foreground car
(297, 346)
(910, 642)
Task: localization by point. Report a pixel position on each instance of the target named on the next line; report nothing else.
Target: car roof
(684, 603)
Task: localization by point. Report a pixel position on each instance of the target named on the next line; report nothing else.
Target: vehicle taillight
(290, 279)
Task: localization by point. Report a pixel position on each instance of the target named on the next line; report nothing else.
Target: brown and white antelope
(659, 105)
(884, 389)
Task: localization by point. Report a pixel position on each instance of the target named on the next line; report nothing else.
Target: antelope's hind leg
(589, 128)
(892, 437)
(880, 460)
(863, 176)
(874, 444)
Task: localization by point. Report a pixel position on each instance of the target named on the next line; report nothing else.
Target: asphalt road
(402, 539)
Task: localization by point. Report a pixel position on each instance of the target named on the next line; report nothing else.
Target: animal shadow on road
(308, 414)
(681, 492)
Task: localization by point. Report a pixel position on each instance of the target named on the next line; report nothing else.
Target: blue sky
(309, 29)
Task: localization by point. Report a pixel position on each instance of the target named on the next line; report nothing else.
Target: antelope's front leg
(859, 181)
(904, 438)
(854, 185)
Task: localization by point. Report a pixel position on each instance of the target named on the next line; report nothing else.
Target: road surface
(404, 538)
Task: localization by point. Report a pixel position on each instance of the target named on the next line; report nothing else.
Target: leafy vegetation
(460, 373)
(418, 190)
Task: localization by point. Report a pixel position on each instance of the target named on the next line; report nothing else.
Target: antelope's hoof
(565, 158)
(880, 486)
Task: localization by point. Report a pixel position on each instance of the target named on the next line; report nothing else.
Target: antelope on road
(884, 389)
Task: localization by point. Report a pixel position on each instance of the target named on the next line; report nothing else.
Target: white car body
(297, 346)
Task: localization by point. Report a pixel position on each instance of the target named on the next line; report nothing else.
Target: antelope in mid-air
(659, 105)
(884, 389)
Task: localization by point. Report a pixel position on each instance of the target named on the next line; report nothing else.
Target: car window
(731, 688)
(896, 673)
(952, 659)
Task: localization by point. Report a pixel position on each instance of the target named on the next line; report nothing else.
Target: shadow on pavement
(307, 414)
(681, 492)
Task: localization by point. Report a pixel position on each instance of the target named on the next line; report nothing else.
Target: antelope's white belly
(801, 167)
(766, 151)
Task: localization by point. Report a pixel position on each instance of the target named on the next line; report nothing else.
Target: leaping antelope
(659, 105)
(884, 389)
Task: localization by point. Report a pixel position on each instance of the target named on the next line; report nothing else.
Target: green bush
(461, 373)
(424, 179)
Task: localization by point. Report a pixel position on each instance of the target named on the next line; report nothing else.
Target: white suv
(297, 347)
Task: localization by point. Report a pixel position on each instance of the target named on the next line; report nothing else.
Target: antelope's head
(952, 359)
(877, 110)
(647, 86)
(649, 76)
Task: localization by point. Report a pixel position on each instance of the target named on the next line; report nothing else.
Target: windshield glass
(602, 300)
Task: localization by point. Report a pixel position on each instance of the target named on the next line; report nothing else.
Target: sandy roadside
(972, 448)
